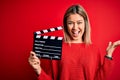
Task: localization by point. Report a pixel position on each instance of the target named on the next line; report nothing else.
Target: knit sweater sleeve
(104, 69)
(46, 72)
(44, 76)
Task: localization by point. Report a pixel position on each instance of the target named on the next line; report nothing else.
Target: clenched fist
(34, 62)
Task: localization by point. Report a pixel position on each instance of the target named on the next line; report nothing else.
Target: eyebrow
(73, 21)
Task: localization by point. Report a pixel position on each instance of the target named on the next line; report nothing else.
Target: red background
(19, 19)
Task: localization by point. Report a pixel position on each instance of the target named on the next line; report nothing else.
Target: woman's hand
(111, 47)
(34, 62)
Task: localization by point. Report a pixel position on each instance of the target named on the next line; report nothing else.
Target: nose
(75, 26)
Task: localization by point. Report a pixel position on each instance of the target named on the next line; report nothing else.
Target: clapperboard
(48, 47)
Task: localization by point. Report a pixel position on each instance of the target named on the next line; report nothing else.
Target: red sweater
(79, 62)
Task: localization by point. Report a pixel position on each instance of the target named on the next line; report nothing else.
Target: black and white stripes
(48, 30)
(49, 47)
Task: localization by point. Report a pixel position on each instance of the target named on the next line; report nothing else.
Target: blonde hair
(77, 9)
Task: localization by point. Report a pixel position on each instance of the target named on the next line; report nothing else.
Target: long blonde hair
(77, 9)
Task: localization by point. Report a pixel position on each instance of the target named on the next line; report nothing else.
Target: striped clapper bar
(48, 47)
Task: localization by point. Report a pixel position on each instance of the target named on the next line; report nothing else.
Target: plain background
(20, 18)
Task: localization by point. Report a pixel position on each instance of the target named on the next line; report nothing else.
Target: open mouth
(75, 33)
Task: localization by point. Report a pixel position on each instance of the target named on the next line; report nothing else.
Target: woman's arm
(35, 64)
(105, 68)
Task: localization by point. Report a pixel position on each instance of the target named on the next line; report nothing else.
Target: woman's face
(75, 26)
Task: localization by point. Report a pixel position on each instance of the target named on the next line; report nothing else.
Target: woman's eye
(79, 22)
(69, 23)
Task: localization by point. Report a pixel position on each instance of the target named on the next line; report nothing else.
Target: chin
(76, 39)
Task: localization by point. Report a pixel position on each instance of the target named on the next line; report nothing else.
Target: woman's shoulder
(81, 45)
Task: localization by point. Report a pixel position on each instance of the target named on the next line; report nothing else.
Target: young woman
(81, 60)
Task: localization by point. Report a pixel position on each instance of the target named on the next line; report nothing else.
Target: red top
(79, 62)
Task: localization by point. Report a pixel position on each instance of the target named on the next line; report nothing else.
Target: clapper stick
(48, 47)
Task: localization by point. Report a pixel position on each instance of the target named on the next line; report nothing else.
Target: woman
(81, 60)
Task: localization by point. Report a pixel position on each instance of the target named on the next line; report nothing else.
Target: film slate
(48, 47)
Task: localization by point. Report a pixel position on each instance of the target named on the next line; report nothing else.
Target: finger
(34, 62)
(32, 55)
(117, 43)
(109, 45)
(33, 59)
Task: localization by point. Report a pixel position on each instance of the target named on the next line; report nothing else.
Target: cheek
(83, 30)
(69, 28)
(83, 27)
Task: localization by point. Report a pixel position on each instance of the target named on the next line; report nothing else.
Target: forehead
(74, 17)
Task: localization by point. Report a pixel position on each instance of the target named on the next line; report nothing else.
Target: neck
(76, 41)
